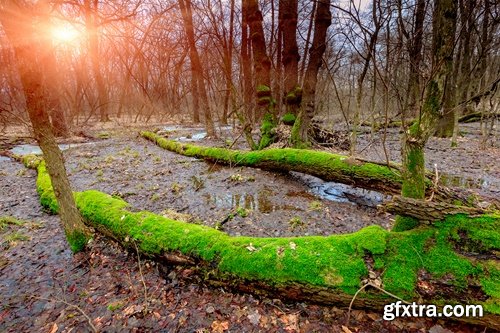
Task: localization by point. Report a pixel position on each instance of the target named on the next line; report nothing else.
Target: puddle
(27, 149)
(194, 137)
(198, 133)
(340, 192)
(257, 202)
(464, 182)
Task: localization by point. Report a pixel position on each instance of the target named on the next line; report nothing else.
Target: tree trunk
(323, 19)
(56, 111)
(32, 54)
(411, 105)
(361, 79)
(92, 26)
(187, 16)
(262, 69)
(415, 138)
(228, 66)
(290, 55)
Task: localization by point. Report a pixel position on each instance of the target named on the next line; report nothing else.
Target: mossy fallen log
(453, 262)
(325, 165)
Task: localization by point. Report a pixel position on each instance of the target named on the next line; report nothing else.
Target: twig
(435, 183)
(352, 301)
(71, 305)
(142, 279)
(369, 284)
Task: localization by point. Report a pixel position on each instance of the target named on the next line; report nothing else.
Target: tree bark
(262, 68)
(92, 26)
(187, 16)
(290, 55)
(32, 54)
(323, 19)
(428, 211)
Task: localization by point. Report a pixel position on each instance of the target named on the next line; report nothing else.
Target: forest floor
(43, 287)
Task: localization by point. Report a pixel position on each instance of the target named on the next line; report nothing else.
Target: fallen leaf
(254, 318)
(129, 310)
(220, 326)
(251, 248)
(54, 328)
(346, 329)
(293, 246)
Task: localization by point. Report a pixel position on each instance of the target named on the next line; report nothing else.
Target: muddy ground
(43, 287)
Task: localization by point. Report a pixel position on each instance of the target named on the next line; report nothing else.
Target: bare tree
(25, 24)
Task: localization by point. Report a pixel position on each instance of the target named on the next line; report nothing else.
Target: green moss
(242, 212)
(77, 241)
(263, 91)
(288, 119)
(404, 223)
(267, 131)
(31, 161)
(414, 185)
(45, 191)
(294, 97)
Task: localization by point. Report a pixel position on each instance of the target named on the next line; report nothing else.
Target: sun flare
(64, 33)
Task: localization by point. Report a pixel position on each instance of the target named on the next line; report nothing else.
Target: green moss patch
(288, 119)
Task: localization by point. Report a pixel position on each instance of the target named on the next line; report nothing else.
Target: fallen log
(438, 264)
(477, 116)
(325, 165)
(328, 166)
(428, 211)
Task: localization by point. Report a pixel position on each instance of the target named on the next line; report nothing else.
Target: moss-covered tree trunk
(416, 136)
(197, 69)
(300, 130)
(31, 52)
(266, 112)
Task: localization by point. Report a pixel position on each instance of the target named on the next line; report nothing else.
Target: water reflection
(340, 192)
(27, 149)
(260, 201)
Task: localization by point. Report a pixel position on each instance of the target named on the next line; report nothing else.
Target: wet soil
(468, 165)
(45, 288)
(153, 179)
